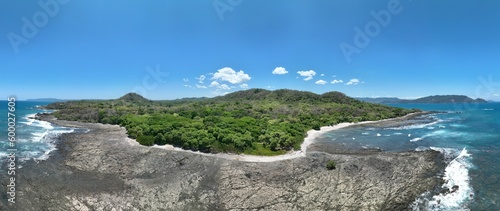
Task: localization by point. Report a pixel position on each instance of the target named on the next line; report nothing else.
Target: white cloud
(231, 76)
(185, 80)
(201, 79)
(308, 75)
(200, 86)
(322, 75)
(337, 81)
(244, 86)
(220, 86)
(214, 84)
(353, 81)
(224, 87)
(279, 71)
(321, 82)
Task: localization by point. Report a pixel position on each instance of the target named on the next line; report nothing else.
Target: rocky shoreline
(103, 169)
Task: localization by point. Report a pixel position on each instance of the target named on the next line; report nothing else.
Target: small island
(435, 99)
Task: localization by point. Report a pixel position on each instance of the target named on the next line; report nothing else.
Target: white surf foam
(30, 118)
(457, 180)
(42, 124)
(415, 126)
(416, 139)
(46, 154)
(422, 148)
(39, 140)
(49, 139)
(38, 136)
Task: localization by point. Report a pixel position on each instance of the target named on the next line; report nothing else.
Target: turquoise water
(468, 135)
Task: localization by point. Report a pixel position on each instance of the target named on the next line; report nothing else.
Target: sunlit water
(468, 135)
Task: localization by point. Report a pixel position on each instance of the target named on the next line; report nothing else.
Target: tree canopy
(254, 121)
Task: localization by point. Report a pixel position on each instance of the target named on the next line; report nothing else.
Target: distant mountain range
(50, 100)
(132, 97)
(437, 99)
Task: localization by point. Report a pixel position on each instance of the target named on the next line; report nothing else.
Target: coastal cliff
(104, 170)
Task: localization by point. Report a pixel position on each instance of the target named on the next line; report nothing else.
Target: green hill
(254, 121)
(133, 98)
(446, 99)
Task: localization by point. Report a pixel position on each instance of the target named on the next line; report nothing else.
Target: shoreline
(293, 154)
(103, 169)
(308, 140)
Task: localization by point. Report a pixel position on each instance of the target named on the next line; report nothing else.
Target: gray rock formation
(99, 170)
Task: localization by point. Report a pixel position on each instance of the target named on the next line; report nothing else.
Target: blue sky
(162, 49)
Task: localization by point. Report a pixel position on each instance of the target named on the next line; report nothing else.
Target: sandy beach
(308, 140)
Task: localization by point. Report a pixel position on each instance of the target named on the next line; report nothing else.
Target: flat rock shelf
(103, 169)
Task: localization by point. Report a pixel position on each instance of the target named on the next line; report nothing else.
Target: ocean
(34, 139)
(468, 135)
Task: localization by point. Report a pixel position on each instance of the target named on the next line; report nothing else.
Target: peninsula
(255, 121)
(435, 99)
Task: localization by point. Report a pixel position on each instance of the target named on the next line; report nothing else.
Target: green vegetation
(255, 121)
(331, 165)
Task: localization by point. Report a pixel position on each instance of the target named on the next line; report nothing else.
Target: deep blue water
(468, 134)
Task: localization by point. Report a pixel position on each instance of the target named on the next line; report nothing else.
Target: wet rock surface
(103, 170)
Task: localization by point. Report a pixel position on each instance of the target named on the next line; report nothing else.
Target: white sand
(311, 136)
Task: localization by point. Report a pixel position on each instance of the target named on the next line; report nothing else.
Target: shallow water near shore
(469, 137)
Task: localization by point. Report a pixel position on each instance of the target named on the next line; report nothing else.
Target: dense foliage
(255, 121)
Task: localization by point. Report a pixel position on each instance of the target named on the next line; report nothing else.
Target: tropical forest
(255, 121)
